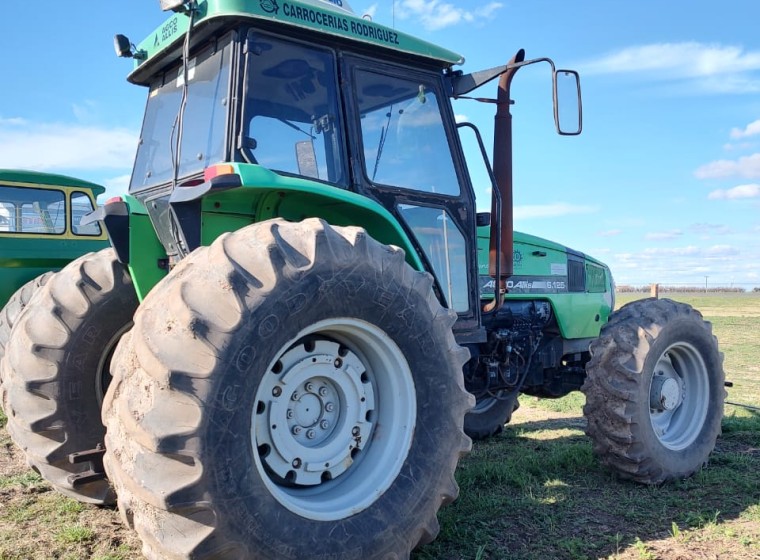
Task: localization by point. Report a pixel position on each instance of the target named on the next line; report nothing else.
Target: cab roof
(48, 179)
(330, 17)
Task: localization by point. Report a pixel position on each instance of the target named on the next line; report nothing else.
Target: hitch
(96, 471)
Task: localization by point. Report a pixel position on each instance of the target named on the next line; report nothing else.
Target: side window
(81, 205)
(404, 140)
(30, 210)
(291, 120)
(445, 248)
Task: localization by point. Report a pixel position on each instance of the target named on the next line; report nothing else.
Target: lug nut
(289, 414)
(311, 434)
(294, 396)
(323, 391)
(329, 407)
(297, 430)
(338, 363)
(296, 463)
(356, 431)
(324, 424)
(310, 387)
(276, 392)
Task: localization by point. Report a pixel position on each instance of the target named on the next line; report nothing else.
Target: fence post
(654, 291)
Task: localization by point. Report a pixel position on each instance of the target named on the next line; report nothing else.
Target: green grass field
(534, 492)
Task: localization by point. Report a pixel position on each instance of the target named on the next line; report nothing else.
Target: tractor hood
(544, 267)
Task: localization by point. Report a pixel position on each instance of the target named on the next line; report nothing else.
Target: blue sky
(663, 185)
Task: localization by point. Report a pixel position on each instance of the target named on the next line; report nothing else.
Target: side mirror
(568, 108)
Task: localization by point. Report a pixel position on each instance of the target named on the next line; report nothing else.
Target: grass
(536, 491)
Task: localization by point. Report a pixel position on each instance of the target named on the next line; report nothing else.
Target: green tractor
(303, 317)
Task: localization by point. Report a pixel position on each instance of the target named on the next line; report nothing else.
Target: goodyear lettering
(340, 23)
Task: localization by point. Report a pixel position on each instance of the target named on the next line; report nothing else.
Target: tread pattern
(162, 397)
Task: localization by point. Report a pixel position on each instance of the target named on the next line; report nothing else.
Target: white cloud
(742, 191)
(752, 129)
(710, 229)
(610, 233)
(557, 209)
(747, 167)
(115, 186)
(59, 146)
(461, 118)
(435, 14)
(712, 68)
(664, 235)
(371, 11)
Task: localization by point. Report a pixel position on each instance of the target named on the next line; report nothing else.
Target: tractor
(303, 321)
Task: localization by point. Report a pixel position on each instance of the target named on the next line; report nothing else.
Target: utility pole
(706, 277)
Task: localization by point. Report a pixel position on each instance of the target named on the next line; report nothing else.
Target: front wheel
(655, 391)
(293, 390)
(56, 370)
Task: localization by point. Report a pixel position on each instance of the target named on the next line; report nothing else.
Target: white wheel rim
(679, 395)
(333, 419)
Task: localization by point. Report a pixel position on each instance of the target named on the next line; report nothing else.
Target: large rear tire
(655, 391)
(293, 390)
(56, 369)
(10, 314)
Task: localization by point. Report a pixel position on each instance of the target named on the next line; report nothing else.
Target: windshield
(291, 119)
(204, 124)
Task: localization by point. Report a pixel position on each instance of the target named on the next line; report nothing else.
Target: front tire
(293, 390)
(655, 391)
(56, 369)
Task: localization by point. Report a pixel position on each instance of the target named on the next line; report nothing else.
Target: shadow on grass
(538, 492)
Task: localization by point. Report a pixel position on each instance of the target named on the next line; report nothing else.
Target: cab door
(406, 155)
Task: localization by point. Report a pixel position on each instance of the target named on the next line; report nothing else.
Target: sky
(663, 185)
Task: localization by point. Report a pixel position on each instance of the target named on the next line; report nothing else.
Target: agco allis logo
(270, 6)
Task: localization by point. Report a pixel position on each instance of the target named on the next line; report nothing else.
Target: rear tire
(293, 390)
(56, 368)
(10, 314)
(654, 391)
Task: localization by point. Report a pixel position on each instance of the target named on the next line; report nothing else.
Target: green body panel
(299, 15)
(145, 250)
(24, 256)
(263, 196)
(540, 272)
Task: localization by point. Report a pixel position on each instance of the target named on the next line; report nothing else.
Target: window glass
(80, 206)
(29, 210)
(292, 111)
(403, 136)
(203, 126)
(444, 247)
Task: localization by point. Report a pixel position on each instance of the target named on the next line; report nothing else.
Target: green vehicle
(295, 335)
(39, 225)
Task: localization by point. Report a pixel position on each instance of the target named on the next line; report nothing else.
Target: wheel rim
(333, 419)
(679, 396)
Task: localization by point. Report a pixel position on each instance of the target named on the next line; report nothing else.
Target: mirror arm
(462, 84)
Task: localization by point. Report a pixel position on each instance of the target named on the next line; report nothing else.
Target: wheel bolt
(276, 392)
(324, 424)
(294, 396)
(337, 363)
(356, 431)
(311, 434)
(296, 430)
(296, 463)
(310, 387)
(329, 407)
(323, 391)
(289, 414)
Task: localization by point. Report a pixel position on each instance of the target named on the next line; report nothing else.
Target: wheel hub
(318, 414)
(666, 393)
